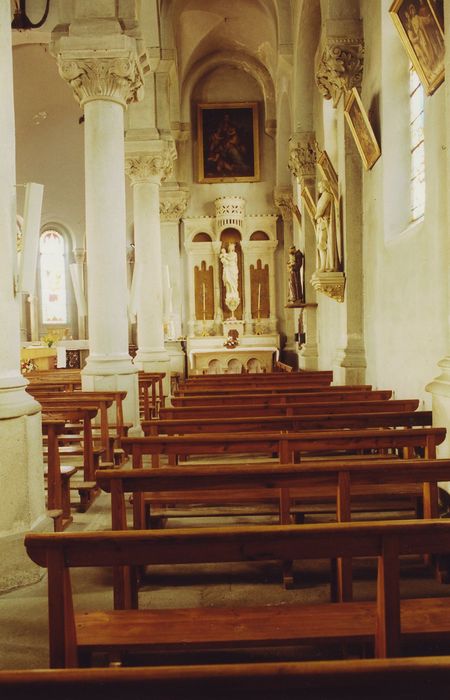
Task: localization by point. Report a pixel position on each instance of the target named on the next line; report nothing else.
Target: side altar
(232, 324)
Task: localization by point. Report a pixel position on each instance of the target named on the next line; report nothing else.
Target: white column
(440, 386)
(104, 82)
(80, 258)
(22, 506)
(146, 170)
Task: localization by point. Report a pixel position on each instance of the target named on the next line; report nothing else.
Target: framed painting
(361, 129)
(328, 172)
(309, 203)
(420, 24)
(228, 142)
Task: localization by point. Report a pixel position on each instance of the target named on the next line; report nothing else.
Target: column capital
(339, 60)
(113, 74)
(173, 204)
(283, 200)
(302, 155)
(150, 163)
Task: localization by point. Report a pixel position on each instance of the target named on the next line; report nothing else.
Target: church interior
(216, 218)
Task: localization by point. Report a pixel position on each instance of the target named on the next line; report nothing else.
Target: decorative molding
(340, 66)
(330, 283)
(102, 75)
(230, 211)
(172, 206)
(302, 156)
(283, 200)
(149, 167)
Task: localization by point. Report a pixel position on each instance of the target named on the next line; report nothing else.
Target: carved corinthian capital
(173, 205)
(283, 201)
(102, 75)
(302, 156)
(149, 167)
(340, 66)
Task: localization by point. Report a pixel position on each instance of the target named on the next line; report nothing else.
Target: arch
(234, 366)
(241, 61)
(259, 236)
(202, 237)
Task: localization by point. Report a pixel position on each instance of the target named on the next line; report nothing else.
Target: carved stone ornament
(149, 167)
(330, 283)
(172, 208)
(284, 202)
(302, 156)
(103, 77)
(340, 67)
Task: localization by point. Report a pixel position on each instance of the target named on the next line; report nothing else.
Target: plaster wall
(228, 84)
(405, 280)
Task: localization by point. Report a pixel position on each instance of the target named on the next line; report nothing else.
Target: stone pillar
(80, 257)
(339, 68)
(440, 386)
(302, 163)
(105, 76)
(172, 206)
(22, 505)
(284, 202)
(147, 164)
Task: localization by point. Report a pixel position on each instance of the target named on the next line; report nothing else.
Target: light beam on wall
(30, 237)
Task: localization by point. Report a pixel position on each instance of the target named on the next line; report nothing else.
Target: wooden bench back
(286, 444)
(267, 388)
(371, 679)
(58, 552)
(293, 409)
(295, 423)
(326, 394)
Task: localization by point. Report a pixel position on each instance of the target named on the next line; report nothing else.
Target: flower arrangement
(232, 340)
(27, 366)
(49, 339)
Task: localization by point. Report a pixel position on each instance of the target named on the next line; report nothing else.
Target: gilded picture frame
(228, 142)
(361, 129)
(309, 202)
(420, 25)
(328, 172)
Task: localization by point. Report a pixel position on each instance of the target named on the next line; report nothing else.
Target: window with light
(52, 267)
(416, 122)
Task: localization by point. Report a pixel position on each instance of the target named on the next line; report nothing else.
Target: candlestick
(259, 299)
(204, 299)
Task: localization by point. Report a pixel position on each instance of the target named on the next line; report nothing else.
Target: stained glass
(53, 278)
(417, 147)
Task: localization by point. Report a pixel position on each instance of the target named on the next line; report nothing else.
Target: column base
(350, 366)
(308, 357)
(154, 361)
(22, 500)
(439, 389)
(115, 373)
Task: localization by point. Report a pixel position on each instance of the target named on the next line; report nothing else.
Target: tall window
(416, 119)
(53, 278)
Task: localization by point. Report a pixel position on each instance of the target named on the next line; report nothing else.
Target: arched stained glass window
(417, 146)
(53, 278)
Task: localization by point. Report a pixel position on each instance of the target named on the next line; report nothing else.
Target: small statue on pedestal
(294, 265)
(230, 276)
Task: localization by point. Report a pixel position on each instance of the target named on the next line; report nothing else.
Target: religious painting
(420, 24)
(309, 203)
(361, 129)
(228, 142)
(328, 172)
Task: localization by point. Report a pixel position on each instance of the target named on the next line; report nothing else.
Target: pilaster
(284, 202)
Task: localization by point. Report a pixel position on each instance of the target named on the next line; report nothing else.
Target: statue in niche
(327, 242)
(295, 263)
(230, 276)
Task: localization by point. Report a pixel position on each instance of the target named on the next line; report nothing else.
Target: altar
(253, 360)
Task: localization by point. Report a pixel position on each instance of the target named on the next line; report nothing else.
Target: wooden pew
(286, 445)
(321, 375)
(387, 622)
(151, 393)
(272, 388)
(91, 453)
(58, 477)
(257, 381)
(305, 422)
(357, 679)
(290, 487)
(291, 409)
(325, 394)
(70, 379)
(102, 399)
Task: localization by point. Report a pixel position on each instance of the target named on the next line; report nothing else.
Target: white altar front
(232, 361)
